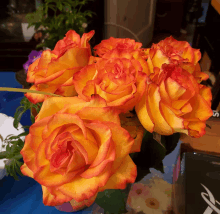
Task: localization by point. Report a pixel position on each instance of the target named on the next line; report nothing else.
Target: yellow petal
(78, 205)
(123, 143)
(90, 186)
(126, 173)
(54, 104)
(201, 109)
(175, 122)
(26, 171)
(174, 89)
(57, 198)
(73, 57)
(197, 129)
(143, 113)
(159, 59)
(161, 126)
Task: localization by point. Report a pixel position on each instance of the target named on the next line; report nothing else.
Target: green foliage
(113, 201)
(14, 144)
(152, 153)
(25, 105)
(67, 16)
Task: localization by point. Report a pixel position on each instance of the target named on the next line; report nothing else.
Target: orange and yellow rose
(171, 51)
(53, 71)
(118, 79)
(174, 102)
(76, 149)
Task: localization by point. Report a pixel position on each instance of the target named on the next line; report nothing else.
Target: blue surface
(25, 197)
(9, 101)
(169, 162)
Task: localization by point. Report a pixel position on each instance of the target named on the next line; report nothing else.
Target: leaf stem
(27, 91)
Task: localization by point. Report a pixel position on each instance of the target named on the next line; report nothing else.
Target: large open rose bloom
(76, 149)
(174, 102)
(53, 71)
(181, 53)
(118, 79)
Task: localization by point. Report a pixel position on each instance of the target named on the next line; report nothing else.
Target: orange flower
(171, 51)
(174, 102)
(53, 71)
(110, 44)
(76, 149)
(118, 79)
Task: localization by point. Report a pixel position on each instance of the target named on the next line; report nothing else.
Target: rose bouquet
(97, 115)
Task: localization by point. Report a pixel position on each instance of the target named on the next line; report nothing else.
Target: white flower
(84, 25)
(152, 195)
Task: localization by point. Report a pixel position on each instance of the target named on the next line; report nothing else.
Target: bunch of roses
(77, 146)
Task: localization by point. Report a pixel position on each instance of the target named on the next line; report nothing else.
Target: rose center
(117, 71)
(62, 154)
(123, 46)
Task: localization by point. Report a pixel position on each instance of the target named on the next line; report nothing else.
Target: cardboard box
(208, 143)
(196, 175)
(196, 184)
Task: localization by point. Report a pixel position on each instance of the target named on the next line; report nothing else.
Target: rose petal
(143, 113)
(57, 198)
(197, 129)
(97, 170)
(88, 152)
(35, 98)
(47, 178)
(103, 135)
(159, 59)
(81, 78)
(54, 104)
(74, 57)
(26, 171)
(123, 141)
(90, 186)
(85, 39)
(77, 205)
(59, 120)
(174, 89)
(160, 126)
(201, 109)
(174, 121)
(126, 173)
(163, 92)
(206, 93)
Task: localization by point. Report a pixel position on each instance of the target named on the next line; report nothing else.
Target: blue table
(25, 197)
(9, 101)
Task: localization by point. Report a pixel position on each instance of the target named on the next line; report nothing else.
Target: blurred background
(147, 21)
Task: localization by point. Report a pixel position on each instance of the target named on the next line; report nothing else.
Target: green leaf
(59, 6)
(24, 106)
(3, 154)
(8, 149)
(52, 7)
(17, 157)
(151, 155)
(113, 201)
(13, 168)
(17, 117)
(170, 142)
(159, 166)
(16, 137)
